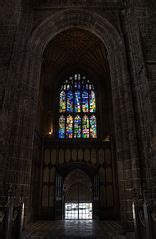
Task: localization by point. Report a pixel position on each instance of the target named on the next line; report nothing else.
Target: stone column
(141, 94)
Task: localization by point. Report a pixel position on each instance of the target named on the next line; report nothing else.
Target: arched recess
(123, 115)
(77, 182)
(77, 190)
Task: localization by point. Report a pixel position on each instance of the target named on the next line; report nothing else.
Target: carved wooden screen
(107, 183)
(97, 155)
(58, 197)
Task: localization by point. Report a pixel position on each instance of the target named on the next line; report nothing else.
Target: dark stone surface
(127, 30)
(74, 229)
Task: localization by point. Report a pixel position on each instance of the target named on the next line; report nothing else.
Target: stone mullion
(141, 92)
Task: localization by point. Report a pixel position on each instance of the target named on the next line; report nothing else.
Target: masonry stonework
(126, 29)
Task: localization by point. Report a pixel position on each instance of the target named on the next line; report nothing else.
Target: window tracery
(77, 109)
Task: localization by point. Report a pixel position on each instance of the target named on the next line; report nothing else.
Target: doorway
(78, 196)
(78, 211)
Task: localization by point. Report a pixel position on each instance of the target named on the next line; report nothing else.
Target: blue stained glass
(77, 127)
(75, 85)
(79, 85)
(62, 127)
(62, 107)
(77, 96)
(77, 101)
(92, 101)
(93, 127)
(85, 101)
(70, 101)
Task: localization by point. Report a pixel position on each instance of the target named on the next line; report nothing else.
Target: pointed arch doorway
(77, 192)
(78, 196)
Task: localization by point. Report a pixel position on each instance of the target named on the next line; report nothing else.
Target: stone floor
(75, 229)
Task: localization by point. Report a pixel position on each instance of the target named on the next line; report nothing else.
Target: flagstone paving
(75, 229)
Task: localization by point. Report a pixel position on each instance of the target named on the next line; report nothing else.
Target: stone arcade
(78, 95)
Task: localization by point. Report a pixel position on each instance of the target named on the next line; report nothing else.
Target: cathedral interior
(78, 119)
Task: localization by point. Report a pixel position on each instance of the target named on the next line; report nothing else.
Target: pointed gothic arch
(30, 65)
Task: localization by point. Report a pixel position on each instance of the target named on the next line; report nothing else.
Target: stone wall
(9, 21)
(20, 89)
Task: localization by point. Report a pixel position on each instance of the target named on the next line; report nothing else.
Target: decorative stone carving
(87, 155)
(101, 156)
(46, 174)
(67, 155)
(109, 175)
(47, 156)
(74, 154)
(61, 156)
(52, 175)
(93, 156)
(53, 156)
(108, 156)
(80, 154)
(102, 174)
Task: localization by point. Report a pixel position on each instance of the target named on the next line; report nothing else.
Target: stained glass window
(93, 126)
(70, 101)
(69, 127)
(77, 101)
(77, 108)
(92, 101)
(85, 127)
(77, 127)
(62, 127)
(85, 101)
(62, 101)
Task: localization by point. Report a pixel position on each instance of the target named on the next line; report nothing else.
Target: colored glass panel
(79, 85)
(70, 101)
(62, 101)
(85, 127)
(77, 96)
(93, 127)
(85, 101)
(75, 85)
(77, 127)
(69, 127)
(68, 86)
(77, 102)
(92, 101)
(62, 127)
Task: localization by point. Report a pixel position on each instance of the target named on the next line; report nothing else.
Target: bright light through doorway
(81, 211)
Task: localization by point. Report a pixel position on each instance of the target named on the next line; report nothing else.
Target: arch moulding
(123, 114)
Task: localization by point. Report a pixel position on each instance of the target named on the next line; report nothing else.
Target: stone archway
(121, 90)
(77, 189)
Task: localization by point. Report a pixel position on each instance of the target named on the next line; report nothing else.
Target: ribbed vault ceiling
(77, 176)
(76, 48)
